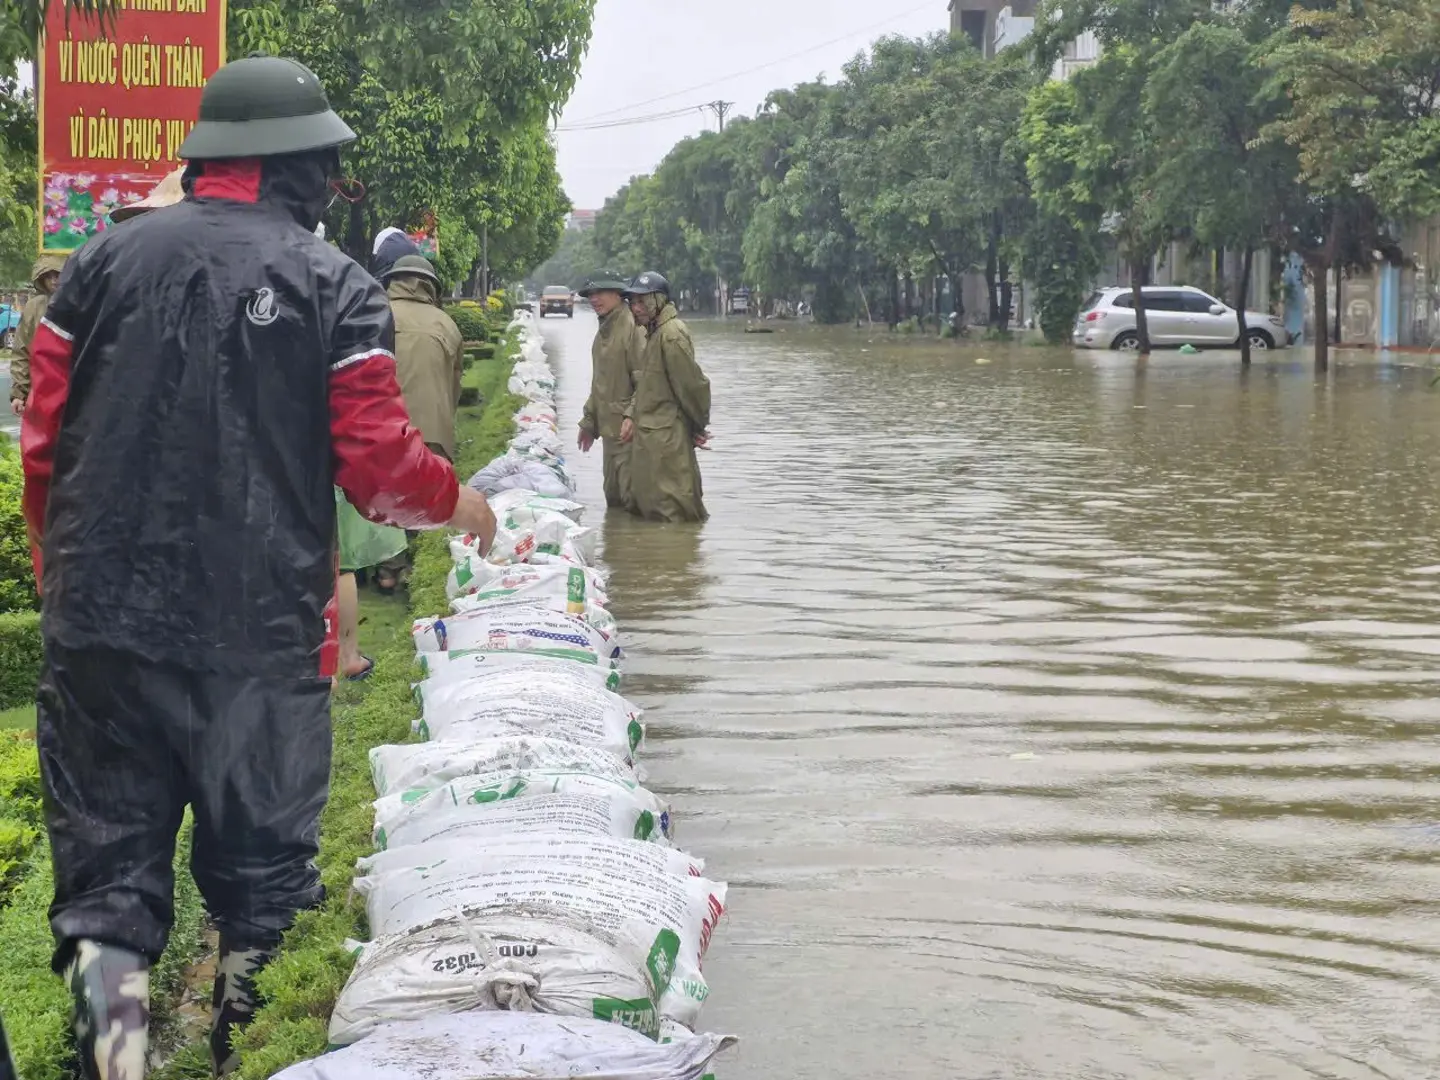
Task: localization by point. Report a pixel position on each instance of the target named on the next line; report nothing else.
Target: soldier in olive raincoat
(616, 356)
(46, 276)
(669, 416)
(429, 358)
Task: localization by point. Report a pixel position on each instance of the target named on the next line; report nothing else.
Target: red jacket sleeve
(50, 353)
(381, 462)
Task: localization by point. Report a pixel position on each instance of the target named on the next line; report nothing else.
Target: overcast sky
(651, 57)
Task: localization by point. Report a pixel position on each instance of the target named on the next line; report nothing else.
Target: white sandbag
(539, 961)
(574, 590)
(511, 1046)
(532, 414)
(525, 532)
(623, 812)
(502, 503)
(588, 717)
(565, 603)
(562, 692)
(527, 629)
(621, 855)
(510, 471)
(517, 761)
(439, 668)
(606, 887)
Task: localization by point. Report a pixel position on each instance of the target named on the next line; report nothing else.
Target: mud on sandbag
(503, 1046)
(540, 961)
(604, 883)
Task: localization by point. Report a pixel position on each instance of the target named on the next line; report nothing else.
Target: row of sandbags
(529, 912)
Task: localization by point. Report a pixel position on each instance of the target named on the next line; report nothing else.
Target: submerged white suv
(1176, 315)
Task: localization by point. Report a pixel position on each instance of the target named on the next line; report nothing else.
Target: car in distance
(1176, 315)
(557, 300)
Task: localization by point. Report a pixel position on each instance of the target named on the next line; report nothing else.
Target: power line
(626, 121)
(760, 67)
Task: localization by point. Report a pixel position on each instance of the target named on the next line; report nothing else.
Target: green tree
(445, 96)
(1364, 89)
(1208, 99)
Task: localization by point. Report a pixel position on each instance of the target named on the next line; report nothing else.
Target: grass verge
(300, 986)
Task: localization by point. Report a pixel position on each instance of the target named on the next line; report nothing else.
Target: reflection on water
(1060, 716)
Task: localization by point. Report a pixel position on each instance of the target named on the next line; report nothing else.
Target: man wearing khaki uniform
(428, 354)
(429, 360)
(46, 276)
(615, 355)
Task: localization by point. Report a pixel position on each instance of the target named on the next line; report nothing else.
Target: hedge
(471, 322)
(20, 656)
(301, 985)
(17, 575)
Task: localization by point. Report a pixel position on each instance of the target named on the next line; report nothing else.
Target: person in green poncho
(615, 355)
(362, 544)
(668, 418)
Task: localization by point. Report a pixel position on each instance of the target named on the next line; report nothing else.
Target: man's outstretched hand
(474, 516)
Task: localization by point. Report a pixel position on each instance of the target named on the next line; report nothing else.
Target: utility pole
(720, 109)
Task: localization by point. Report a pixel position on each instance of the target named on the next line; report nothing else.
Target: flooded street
(1056, 717)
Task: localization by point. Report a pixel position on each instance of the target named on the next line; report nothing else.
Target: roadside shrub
(20, 656)
(19, 777)
(471, 322)
(17, 576)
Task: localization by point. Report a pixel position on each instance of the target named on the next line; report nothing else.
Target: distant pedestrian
(45, 276)
(391, 245)
(669, 416)
(615, 361)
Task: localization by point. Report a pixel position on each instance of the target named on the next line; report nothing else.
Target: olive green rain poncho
(30, 318)
(615, 355)
(670, 407)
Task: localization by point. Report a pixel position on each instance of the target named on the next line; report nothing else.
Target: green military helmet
(262, 106)
(412, 264)
(648, 282)
(604, 281)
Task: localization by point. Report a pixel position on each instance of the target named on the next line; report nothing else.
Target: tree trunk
(992, 274)
(1322, 315)
(356, 244)
(909, 295)
(894, 298)
(1339, 307)
(1007, 296)
(1142, 325)
(1243, 293)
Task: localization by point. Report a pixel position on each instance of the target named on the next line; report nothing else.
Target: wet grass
(21, 718)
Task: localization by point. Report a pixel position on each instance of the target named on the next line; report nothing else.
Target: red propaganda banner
(116, 99)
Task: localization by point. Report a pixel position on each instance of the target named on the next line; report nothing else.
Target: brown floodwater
(1060, 716)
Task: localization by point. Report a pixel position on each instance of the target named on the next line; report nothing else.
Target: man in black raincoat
(202, 380)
